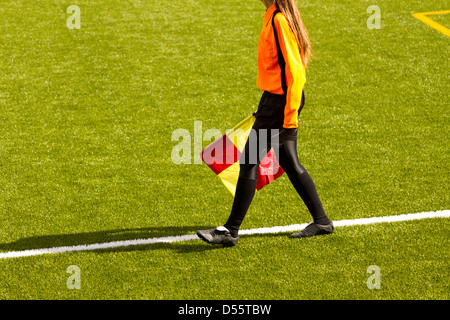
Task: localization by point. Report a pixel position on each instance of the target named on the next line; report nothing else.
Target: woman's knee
(288, 159)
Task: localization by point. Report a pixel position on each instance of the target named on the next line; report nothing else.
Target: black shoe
(314, 229)
(220, 235)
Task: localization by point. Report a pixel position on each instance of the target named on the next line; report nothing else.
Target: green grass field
(86, 118)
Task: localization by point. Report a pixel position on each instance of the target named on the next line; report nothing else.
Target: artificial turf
(86, 119)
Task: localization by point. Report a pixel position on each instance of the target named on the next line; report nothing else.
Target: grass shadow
(86, 238)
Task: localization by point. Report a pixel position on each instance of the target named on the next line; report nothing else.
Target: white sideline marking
(290, 228)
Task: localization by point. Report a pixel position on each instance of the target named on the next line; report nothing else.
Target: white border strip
(290, 228)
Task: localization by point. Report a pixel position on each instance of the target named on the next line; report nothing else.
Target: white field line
(290, 228)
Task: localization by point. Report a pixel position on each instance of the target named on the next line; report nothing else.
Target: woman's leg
(302, 181)
(246, 185)
(227, 234)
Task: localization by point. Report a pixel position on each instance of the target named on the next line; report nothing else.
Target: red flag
(222, 156)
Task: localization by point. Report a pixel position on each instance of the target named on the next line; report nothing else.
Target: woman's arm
(295, 71)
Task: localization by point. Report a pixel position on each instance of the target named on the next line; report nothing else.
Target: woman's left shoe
(314, 229)
(219, 235)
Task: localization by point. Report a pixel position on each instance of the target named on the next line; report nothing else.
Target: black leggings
(286, 153)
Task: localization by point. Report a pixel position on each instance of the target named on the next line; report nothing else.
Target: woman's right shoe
(314, 229)
(219, 235)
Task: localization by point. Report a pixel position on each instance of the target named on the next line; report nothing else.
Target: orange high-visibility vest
(269, 71)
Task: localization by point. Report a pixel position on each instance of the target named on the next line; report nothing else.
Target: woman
(283, 54)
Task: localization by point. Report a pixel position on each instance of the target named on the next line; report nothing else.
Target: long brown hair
(289, 9)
